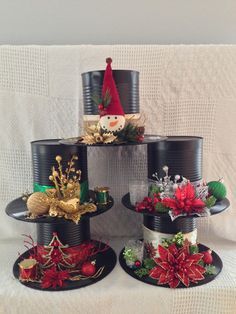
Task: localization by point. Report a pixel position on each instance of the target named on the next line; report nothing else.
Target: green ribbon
(83, 190)
(42, 188)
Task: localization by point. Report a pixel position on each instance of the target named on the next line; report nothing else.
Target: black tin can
(127, 83)
(182, 155)
(69, 233)
(44, 153)
(166, 225)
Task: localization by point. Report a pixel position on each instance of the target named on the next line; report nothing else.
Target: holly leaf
(210, 201)
(210, 270)
(154, 189)
(129, 133)
(159, 207)
(149, 263)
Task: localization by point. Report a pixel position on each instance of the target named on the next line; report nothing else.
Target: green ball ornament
(217, 189)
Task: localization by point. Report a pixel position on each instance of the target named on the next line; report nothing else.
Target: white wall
(120, 21)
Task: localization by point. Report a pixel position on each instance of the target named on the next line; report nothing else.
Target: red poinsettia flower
(53, 278)
(177, 265)
(184, 201)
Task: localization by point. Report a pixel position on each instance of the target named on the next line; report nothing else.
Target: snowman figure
(112, 116)
(112, 123)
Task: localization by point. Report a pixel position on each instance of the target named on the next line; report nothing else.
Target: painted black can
(127, 83)
(182, 154)
(69, 233)
(43, 159)
(166, 225)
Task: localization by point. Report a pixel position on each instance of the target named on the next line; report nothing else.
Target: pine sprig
(129, 133)
(96, 99)
(148, 264)
(105, 100)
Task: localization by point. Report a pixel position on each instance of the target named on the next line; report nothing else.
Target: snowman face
(112, 123)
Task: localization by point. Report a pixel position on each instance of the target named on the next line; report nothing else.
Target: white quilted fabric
(184, 90)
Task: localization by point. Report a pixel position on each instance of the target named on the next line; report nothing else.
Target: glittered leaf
(200, 268)
(170, 257)
(195, 273)
(183, 278)
(88, 139)
(162, 252)
(164, 265)
(156, 272)
(174, 283)
(181, 257)
(163, 279)
(108, 138)
(195, 257)
(173, 249)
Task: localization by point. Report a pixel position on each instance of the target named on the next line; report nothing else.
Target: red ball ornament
(137, 263)
(140, 138)
(100, 107)
(207, 257)
(88, 269)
